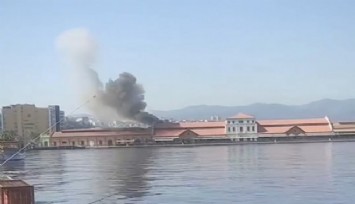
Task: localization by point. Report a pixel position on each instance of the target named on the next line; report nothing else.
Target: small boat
(10, 151)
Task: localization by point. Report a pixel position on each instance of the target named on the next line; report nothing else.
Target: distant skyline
(184, 52)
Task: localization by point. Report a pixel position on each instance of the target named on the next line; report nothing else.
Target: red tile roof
(168, 132)
(276, 130)
(99, 133)
(344, 127)
(293, 122)
(210, 131)
(199, 131)
(316, 129)
(190, 125)
(242, 116)
(305, 128)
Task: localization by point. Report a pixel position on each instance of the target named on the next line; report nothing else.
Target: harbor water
(314, 173)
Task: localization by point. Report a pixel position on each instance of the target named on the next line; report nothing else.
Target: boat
(10, 151)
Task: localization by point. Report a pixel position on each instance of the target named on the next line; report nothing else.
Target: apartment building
(1, 123)
(55, 118)
(25, 120)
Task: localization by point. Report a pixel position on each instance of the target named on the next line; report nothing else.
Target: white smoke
(78, 46)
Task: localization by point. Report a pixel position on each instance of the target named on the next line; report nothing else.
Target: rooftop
(306, 129)
(242, 116)
(99, 133)
(293, 122)
(190, 125)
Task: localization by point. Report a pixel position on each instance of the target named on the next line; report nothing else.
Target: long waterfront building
(238, 128)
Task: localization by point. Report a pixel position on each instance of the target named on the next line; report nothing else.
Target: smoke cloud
(122, 98)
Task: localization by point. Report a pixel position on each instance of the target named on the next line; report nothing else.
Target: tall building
(56, 118)
(25, 120)
(1, 123)
(215, 118)
(62, 119)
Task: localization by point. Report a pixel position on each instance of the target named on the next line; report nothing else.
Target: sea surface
(313, 173)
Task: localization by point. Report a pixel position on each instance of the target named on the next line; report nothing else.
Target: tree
(9, 136)
(34, 135)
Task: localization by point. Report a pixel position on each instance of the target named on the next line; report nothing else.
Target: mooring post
(16, 192)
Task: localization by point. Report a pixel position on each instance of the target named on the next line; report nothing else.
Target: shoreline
(275, 141)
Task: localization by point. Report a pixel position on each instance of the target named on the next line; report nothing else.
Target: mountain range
(336, 110)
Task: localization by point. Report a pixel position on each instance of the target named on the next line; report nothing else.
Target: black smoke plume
(126, 97)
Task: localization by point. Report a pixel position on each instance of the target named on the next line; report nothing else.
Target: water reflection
(293, 173)
(127, 176)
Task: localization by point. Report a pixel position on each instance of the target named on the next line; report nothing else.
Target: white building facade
(241, 127)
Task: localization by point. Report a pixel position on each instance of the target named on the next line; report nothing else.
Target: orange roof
(99, 133)
(344, 127)
(198, 131)
(168, 132)
(190, 125)
(316, 129)
(347, 130)
(209, 131)
(242, 116)
(306, 129)
(276, 130)
(293, 122)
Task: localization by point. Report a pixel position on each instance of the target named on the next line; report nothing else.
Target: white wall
(240, 126)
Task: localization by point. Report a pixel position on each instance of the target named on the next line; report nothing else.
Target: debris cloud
(122, 98)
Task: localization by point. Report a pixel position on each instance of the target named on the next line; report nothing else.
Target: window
(54, 143)
(240, 121)
(82, 143)
(247, 121)
(248, 129)
(73, 143)
(240, 129)
(100, 142)
(64, 142)
(233, 129)
(253, 128)
(229, 129)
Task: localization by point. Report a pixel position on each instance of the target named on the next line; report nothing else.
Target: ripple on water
(289, 173)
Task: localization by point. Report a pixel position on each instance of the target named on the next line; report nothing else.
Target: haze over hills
(336, 110)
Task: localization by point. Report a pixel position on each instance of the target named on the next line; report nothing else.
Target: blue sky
(185, 52)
